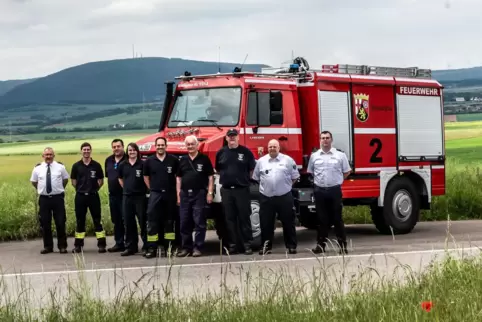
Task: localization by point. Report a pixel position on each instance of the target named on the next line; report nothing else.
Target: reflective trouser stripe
(152, 238)
(170, 236)
(79, 235)
(99, 234)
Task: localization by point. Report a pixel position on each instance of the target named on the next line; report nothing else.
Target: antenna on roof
(219, 59)
(244, 62)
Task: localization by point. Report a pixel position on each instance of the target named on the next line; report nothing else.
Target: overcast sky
(39, 37)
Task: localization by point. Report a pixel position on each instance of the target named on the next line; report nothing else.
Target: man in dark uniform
(50, 178)
(160, 178)
(194, 185)
(131, 179)
(235, 164)
(87, 178)
(115, 194)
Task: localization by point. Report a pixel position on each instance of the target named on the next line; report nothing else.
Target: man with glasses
(194, 185)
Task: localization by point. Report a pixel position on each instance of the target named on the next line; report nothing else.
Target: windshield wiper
(215, 123)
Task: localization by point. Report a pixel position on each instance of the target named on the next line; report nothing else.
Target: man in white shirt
(330, 168)
(276, 173)
(50, 178)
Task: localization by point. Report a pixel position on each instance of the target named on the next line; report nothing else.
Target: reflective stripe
(100, 234)
(79, 235)
(170, 236)
(152, 238)
(272, 130)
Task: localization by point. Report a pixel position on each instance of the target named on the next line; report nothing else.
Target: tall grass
(451, 286)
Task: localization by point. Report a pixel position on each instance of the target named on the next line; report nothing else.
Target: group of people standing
(147, 193)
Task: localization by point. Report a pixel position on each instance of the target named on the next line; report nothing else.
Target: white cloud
(39, 37)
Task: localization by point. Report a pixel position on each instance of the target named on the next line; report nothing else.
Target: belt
(159, 191)
(88, 193)
(191, 190)
(51, 196)
(234, 187)
(328, 188)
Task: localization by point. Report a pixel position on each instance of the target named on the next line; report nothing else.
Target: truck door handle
(283, 138)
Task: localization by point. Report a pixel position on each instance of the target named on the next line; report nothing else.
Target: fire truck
(388, 121)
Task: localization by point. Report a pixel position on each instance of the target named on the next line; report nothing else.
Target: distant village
(461, 105)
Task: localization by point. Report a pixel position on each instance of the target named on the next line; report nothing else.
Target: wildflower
(427, 306)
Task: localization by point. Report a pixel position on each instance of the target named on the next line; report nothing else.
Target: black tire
(255, 220)
(401, 208)
(307, 219)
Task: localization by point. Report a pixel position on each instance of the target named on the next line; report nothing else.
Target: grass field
(448, 291)
(469, 117)
(64, 112)
(55, 136)
(17, 219)
(148, 118)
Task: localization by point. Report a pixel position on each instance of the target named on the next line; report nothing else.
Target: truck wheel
(255, 223)
(307, 219)
(401, 208)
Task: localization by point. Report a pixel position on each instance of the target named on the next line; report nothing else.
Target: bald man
(194, 187)
(276, 172)
(50, 178)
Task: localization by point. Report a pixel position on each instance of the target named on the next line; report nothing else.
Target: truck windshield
(206, 107)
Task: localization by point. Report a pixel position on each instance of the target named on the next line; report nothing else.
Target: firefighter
(235, 164)
(131, 179)
(194, 185)
(276, 173)
(50, 178)
(330, 168)
(160, 178)
(87, 178)
(115, 194)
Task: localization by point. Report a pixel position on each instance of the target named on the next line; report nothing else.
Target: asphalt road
(107, 274)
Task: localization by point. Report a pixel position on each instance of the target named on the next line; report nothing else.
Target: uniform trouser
(115, 205)
(160, 219)
(283, 206)
(134, 206)
(329, 209)
(53, 206)
(192, 216)
(91, 202)
(237, 211)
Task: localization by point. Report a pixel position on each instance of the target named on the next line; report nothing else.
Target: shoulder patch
(38, 164)
(339, 150)
(294, 166)
(60, 162)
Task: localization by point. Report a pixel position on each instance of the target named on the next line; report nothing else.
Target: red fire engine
(388, 121)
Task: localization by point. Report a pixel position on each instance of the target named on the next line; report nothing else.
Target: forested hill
(108, 82)
(8, 85)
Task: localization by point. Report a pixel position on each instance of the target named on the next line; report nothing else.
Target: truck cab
(207, 106)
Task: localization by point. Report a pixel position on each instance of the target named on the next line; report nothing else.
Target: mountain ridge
(133, 80)
(115, 81)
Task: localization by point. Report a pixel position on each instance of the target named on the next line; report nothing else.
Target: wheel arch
(421, 178)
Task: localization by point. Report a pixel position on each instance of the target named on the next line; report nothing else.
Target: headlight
(146, 146)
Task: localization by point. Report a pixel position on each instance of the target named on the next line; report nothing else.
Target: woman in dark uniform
(131, 178)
